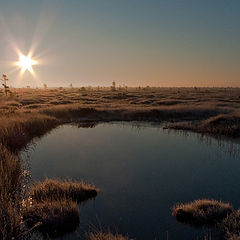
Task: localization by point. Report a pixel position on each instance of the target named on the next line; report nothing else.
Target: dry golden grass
(52, 218)
(230, 226)
(10, 225)
(10, 195)
(202, 212)
(220, 125)
(99, 235)
(30, 99)
(18, 130)
(30, 113)
(199, 108)
(55, 189)
(233, 237)
(52, 208)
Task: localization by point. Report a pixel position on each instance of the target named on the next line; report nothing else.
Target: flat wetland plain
(208, 110)
(30, 113)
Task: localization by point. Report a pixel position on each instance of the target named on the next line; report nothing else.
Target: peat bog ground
(30, 113)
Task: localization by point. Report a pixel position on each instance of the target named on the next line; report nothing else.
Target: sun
(26, 63)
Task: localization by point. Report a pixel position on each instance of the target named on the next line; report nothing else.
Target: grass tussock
(11, 222)
(16, 131)
(202, 212)
(11, 195)
(226, 125)
(233, 237)
(99, 235)
(55, 189)
(230, 226)
(53, 218)
(220, 125)
(52, 206)
(11, 174)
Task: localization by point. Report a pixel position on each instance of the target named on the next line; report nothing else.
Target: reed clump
(10, 219)
(99, 235)
(52, 206)
(18, 130)
(11, 195)
(220, 125)
(52, 218)
(56, 189)
(230, 226)
(202, 212)
(225, 125)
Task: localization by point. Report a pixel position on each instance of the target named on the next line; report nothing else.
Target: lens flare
(26, 63)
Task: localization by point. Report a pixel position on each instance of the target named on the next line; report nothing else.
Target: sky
(165, 43)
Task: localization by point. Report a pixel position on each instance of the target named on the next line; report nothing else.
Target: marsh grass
(56, 189)
(210, 213)
(230, 226)
(233, 237)
(30, 113)
(52, 206)
(52, 218)
(220, 125)
(17, 131)
(11, 174)
(207, 110)
(99, 235)
(11, 195)
(10, 225)
(202, 212)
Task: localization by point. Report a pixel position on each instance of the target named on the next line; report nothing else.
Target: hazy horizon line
(122, 87)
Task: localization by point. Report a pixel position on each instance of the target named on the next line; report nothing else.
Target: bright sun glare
(26, 63)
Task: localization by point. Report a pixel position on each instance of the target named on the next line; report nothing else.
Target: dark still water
(141, 172)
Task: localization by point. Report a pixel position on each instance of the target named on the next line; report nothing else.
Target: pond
(141, 171)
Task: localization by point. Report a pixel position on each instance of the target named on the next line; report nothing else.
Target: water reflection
(85, 124)
(142, 171)
(228, 146)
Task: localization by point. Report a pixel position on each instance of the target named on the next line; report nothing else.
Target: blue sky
(133, 42)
